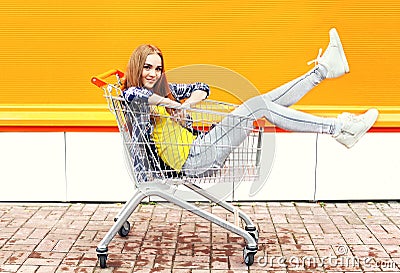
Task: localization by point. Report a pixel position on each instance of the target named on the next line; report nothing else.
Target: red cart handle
(99, 80)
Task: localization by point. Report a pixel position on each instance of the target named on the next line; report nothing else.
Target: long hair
(135, 68)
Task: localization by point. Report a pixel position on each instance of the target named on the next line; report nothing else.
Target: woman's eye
(159, 69)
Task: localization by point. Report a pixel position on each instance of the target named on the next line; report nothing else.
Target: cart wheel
(124, 230)
(102, 260)
(249, 259)
(248, 256)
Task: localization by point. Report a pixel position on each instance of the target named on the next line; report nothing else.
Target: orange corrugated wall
(50, 49)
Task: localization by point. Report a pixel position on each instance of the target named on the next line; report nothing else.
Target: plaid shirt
(137, 98)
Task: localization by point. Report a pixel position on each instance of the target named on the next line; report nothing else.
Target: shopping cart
(152, 174)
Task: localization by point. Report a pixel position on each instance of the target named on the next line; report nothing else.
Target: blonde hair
(135, 68)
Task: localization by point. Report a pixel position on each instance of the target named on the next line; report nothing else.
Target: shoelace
(348, 118)
(316, 60)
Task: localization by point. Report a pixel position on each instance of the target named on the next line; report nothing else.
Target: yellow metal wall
(49, 49)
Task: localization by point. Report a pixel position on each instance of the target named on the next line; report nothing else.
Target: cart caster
(248, 256)
(253, 232)
(124, 230)
(102, 260)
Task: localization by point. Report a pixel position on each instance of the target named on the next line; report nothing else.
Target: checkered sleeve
(184, 91)
(135, 93)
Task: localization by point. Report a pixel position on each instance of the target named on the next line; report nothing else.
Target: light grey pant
(211, 150)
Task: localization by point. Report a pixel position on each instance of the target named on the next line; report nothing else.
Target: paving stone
(293, 237)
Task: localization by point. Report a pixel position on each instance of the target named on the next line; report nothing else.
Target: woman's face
(152, 70)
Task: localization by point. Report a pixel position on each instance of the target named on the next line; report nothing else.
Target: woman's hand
(179, 116)
(196, 97)
(174, 108)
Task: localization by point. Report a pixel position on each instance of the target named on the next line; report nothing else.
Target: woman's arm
(196, 96)
(155, 99)
(140, 93)
(192, 93)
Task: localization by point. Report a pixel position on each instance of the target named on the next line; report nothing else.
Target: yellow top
(172, 141)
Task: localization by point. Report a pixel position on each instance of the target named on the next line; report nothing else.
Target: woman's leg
(291, 92)
(213, 148)
(332, 64)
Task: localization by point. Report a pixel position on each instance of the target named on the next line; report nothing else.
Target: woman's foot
(333, 59)
(354, 127)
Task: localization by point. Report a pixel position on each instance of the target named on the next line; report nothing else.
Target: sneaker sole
(373, 116)
(335, 35)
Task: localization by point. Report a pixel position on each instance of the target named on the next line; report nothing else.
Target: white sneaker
(354, 127)
(334, 59)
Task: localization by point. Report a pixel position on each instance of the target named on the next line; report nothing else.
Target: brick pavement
(294, 237)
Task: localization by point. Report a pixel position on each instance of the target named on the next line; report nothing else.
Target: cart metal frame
(154, 182)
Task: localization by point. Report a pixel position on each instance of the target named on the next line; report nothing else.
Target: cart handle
(99, 80)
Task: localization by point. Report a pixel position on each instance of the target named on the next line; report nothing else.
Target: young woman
(146, 81)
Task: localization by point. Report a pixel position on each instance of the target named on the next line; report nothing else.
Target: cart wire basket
(155, 166)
